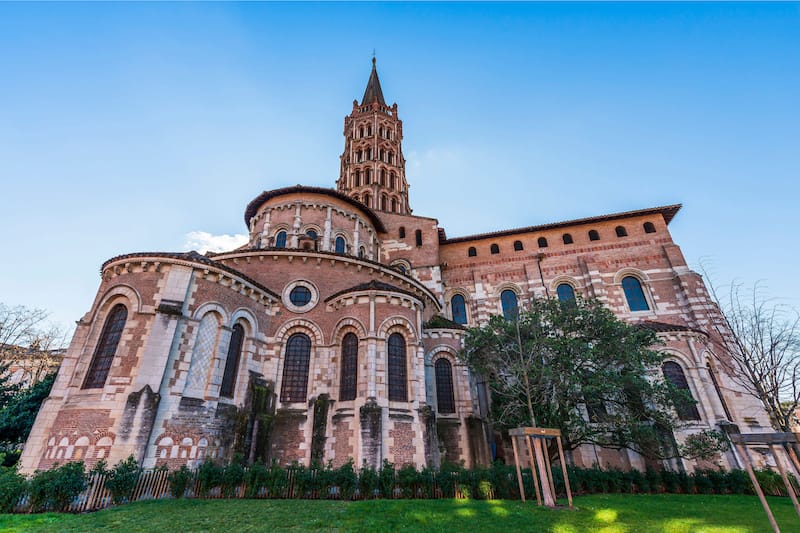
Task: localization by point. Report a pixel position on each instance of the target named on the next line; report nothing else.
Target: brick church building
(333, 333)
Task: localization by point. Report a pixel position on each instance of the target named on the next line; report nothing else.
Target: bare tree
(761, 338)
(28, 342)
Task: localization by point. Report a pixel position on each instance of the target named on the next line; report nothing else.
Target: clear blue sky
(125, 127)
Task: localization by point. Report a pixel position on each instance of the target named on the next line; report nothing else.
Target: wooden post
(547, 489)
(549, 466)
(519, 471)
(564, 470)
(789, 488)
(743, 452)
(533, 470)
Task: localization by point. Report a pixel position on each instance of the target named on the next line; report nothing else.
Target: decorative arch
(345, 325)
(117, 293)
(402, 263)
(397, 323)
(569, 280)
(300, 325)
(629, 271)
(211, 307)
(441, 350)
(245, 315)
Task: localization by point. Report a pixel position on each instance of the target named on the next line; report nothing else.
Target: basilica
(333, 333)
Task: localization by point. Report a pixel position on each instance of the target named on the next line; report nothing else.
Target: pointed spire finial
(373, 91)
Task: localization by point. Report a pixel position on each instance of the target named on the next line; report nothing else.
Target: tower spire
(373, 92)
(373, 169)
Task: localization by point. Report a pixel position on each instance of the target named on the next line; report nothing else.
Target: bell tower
(373, 170)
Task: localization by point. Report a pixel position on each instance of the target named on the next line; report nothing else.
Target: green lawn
(599, 513)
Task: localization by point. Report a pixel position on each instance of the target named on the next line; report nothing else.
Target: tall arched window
(358, 178)
(367, 200)
(232, 362)
(508, 299)
(649, 227)
(620, 231)
(349, 379)
(394, 205)
(565, 292)
(106, 348)
(205, 346)
(459, 309)
(542, 242)
(472, 252)
(339, 245)
(383, 202)
(280, 240)
(593, 235)
(294, 386)
(687, 408)
(494, 249)
(634, 294)
(418, 236)
(567, 238)
(445, 400)
(362, 252)
(397, 368)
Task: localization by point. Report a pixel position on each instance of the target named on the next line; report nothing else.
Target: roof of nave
(668, 212)
(195, 258)
(665, 327)
(259, 200)
(371, 286)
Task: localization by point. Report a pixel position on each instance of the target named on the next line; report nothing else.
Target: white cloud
(203, 242)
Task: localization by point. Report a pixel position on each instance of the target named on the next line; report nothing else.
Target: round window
(300, 296)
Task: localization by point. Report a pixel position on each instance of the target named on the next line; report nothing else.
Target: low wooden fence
(155, 485)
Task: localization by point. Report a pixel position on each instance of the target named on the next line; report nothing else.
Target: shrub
(346, 478)
(232, 478)
(368, 481)
(407, 478)
(179, 481)
(121, 480)
(277, 481)
(739, 482)
(387, 479)
(55, 489)
(12, 487)
(257, 477)
(210, 476)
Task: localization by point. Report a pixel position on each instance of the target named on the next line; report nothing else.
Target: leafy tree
(576, 367)
(19, 412)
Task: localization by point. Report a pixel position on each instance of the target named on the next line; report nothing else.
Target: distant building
(27, 365)
(333, 333)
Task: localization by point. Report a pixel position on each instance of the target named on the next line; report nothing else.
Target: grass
(668, 513)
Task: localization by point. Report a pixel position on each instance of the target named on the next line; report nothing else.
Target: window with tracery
(458, 306)
(508, 300)
(106, 348)
(349, 378)
(294, 385)
(398, 391)
(634, 294)
(686, 407)
(232, 362)
(445, 398)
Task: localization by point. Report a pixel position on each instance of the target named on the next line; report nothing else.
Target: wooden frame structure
(536, 446)
(788, 442)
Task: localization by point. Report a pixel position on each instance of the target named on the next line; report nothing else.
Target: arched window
(358, 178)
(392, 183)
(686, 407)
(517, 246)
(232, 362)
(294, 386)
(508, 300)
(459, 309)
(634, 294)
(445, 400)
(494, 249)
(347, 386)
(567, 238)
(620, 231)
(593, 235)
(383, 177)
(367, 200)
(312, 234)
(394, 205)
(472, 252)
(402, 232)
(106, 348)
(205, 347)
(280, 240)
(339, 245)
(383, 202)
(418, 236)
(542, 242)
(368, 178)
(362, 252)
(565, 292)
(649, 227)
(397, 368)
